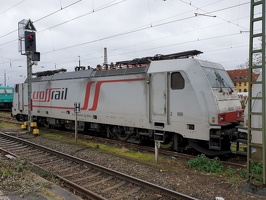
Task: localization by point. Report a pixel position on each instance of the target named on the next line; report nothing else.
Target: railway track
(89, 180)
(238, 161)
(235, 161)
(5, 155)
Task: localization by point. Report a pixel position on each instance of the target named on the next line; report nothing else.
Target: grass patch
(44, 174)
(256, 167)
(5, 125)
(234, 176)
(15, 177)
(128, 153)
(51, 195)
(124, 152)
(5, 114)
(147, 158)
(229, 171)
(240, 175)
(67, 139)
(143, 158)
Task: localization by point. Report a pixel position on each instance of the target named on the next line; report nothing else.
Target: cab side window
(177, 81)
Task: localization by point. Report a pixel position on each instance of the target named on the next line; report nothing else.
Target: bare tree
(256, 60)
(243, 65)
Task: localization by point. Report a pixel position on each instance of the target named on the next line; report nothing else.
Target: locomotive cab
(197, 99)
(229, 112)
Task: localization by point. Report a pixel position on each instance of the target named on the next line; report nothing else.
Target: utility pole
(76, 110)
(29, 74)
(27, 46)
(5, 77)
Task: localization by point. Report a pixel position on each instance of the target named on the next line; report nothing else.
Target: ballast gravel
(182, 179)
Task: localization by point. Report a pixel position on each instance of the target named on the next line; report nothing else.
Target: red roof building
(240, 79)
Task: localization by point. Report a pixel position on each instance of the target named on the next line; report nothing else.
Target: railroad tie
(134, 190)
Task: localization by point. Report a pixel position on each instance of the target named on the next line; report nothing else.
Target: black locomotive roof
(147, 60)
(90, 73)
(135, 66)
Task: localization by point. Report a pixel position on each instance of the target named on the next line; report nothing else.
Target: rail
(49, 159)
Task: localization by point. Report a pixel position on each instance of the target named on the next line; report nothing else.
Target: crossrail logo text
(50, 94)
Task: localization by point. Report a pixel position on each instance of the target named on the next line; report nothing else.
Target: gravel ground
(170, 173)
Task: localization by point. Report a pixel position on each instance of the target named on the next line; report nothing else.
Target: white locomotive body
(184, 102)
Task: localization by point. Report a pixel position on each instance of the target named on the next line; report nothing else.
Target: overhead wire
(149, 11)
(69, 61)
(128, 32)
(132, 31)
(8, 42)
(224, 19)
(49, 28)
(107, 5)
(147, 27)
(180, 43)
(80, 16)
(43, 17)
(200, 8)
(218, 10)
(189, 11)
(190, 41)
(56, 11)
(205, 51)
(8, 33)
(165, 46)
(114, 35)
(12, 7)
(185, 32)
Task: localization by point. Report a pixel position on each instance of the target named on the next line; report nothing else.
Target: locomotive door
(158, 98)
(20, 97)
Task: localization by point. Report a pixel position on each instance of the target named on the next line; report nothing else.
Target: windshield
(6, 91)
(218, 78)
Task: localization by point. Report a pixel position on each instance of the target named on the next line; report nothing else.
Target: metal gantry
(256, 150)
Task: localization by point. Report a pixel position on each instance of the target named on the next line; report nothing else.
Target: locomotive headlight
(222, 118)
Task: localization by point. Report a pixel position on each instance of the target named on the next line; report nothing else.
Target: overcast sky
(71, 29)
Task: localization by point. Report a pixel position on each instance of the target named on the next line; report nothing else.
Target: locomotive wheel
(168, 144)
(120, 133)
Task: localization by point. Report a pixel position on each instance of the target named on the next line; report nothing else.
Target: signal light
(30, 41)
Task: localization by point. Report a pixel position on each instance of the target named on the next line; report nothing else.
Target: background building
(240, 79)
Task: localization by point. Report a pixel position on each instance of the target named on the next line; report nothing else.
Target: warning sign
(30, 26)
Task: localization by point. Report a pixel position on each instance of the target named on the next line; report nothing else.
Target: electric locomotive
(6, 97)
(183, 102)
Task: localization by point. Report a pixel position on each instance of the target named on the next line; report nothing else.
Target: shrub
(256, 167)
(203, 163)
